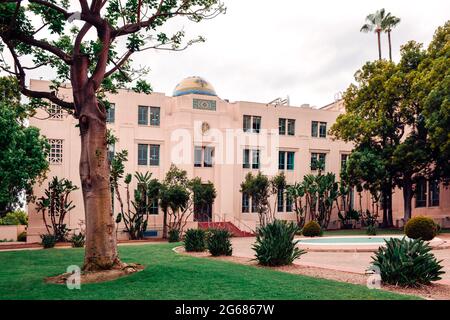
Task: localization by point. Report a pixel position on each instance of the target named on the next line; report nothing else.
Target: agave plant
(275, 245)
(407, 263)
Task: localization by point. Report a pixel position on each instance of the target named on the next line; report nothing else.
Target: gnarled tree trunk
(101, 247)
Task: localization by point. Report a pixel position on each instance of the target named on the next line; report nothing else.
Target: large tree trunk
(101, 246)
(407, 197)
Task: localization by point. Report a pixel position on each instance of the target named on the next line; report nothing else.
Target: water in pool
(347, 240)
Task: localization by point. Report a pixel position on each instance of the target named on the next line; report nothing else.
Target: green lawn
(167, 276)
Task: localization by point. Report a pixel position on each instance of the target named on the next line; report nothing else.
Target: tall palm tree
(374, 23)
(387, 24)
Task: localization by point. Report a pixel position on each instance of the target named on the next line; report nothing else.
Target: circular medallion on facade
(205, 127)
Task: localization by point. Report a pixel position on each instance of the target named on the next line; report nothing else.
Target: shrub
(312, 229)
(78, 240)
(421, 227)
(371, 230)
(407, 262)
(275, 245)
(17, 217)
(219, 243)
(174, 235)
(48, 240)
(194, 240)
(22, 237)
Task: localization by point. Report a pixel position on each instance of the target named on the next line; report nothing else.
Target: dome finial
(194, 85)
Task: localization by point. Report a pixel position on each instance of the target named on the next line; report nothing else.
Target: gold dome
(194, 85)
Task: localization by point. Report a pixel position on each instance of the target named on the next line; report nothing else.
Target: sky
(309, 50)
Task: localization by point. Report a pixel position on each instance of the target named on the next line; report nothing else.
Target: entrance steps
(235, 231)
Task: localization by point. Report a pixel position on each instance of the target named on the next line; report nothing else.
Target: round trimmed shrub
(312, 229)
(421, 227)
(218, 241)
(174, 235)
(275, 245)
(48, 241)
(194, 240)
(407, 262)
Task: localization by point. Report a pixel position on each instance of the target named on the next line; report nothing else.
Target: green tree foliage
(90, 45)
(23, 151)
(396, 112)
(258, 189)
(55, 205)
(178, 197)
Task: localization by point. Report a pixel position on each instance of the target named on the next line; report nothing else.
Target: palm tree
(389, 22)
(374, 23)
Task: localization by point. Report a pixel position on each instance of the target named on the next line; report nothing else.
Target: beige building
(213, 139)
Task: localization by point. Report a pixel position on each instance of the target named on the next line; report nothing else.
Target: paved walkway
(356, 262)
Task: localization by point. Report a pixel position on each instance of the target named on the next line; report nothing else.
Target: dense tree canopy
(23, 151)
(399, 113)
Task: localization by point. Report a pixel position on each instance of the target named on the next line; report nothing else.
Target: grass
(167, 276)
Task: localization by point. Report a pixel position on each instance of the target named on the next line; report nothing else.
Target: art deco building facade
(216, 140)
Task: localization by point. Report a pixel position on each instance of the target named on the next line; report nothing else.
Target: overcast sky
(260, 49)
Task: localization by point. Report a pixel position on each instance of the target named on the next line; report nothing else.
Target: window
(143, 115)
(282, 157)
(56, 151)
(154, 207)
(318, 129)
(247, 120)
(154, 116)
(281, 160)
(251, 123)
(254, 208)
(281, 126)
(344, 158)
(111, 113)
(142, 154)
(55, 111)
(323, 130)
(245, 202)
(421, 193)
(154, 154)
(255, 159)
(256, 124)
(318, 160)
(205, 153)
(280, 200)
(209, 156)
(246, 159)
(291, 127)
(433, 199)
(198, 156)
(288, 203)
(111, 151)
(290, 160)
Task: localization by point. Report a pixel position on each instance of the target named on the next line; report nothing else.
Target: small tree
(297, 193)
(203, 194)
(277, 184)
(258, 189)
(55, 205)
